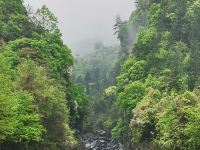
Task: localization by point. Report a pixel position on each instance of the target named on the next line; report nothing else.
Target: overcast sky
(84, 22)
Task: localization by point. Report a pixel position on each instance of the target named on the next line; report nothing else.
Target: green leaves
(29, 126)
(175, 120)
(13, 20)
(46, 20)
(154, 81)
(48, 52)
(35, 70)
(19, 119)
(146, 43)
(131, 95)
(8, 108)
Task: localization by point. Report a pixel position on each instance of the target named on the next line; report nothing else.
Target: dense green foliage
(39, 105)
(155, 101)
(157, 89)
(145, 94)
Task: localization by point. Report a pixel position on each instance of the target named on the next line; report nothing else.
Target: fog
(84, 22)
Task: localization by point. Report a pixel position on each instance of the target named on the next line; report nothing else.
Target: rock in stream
(99, 142)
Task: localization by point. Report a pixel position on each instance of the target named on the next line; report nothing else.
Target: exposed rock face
(99, 142)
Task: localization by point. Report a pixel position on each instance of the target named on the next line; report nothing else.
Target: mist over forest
(83, 23)
(100, 75)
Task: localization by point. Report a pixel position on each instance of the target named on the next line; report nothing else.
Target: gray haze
(84, 22)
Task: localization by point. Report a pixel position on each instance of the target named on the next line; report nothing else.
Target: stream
(99, 141)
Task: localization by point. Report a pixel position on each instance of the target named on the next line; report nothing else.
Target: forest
(143, 94)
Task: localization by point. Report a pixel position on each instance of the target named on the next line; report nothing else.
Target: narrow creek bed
(100, 141)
